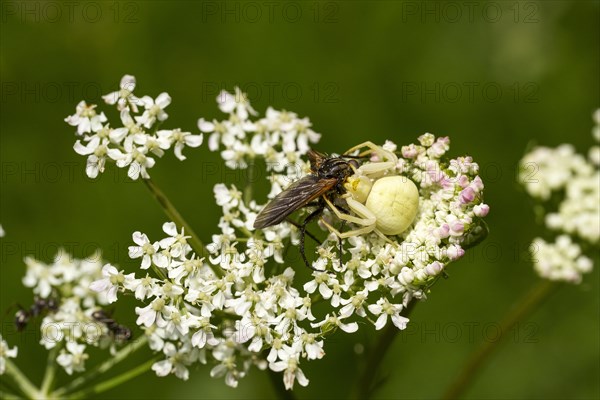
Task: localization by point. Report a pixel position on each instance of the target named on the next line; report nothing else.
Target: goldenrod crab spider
(382, 201)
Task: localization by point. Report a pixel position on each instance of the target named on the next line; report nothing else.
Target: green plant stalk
(174, 215)
(116, 381)
(248, 188)
(21, 380)
(50, 373)
(534, 297)
(8, 396)
(365, 384)
(102, 368)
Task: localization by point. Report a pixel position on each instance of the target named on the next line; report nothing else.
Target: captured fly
(327, 178)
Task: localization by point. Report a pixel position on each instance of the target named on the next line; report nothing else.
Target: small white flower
(152, 313)
(6, 352)
(85, 119)
(143, 287)
(289, 357)
(73, 359)
(176, 243)
(110, 284)
(180, 139)
(384, 309)
(176, 362)
(235, 103)
(144, 249)
(135, 157)
(123, 97)
(41, 277)
(154, 109)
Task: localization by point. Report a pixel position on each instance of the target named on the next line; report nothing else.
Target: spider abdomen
(395, 201)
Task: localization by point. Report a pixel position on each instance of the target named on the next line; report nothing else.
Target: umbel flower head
(137, 142)
(243, 305)
(571, 180)
(64, 297)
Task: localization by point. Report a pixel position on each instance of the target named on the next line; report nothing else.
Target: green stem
(248, 188)
(8, 396)
(21, 380)
(102, 368)
(116, 381)
(174, 215)
(365, 384)
(50, 373)
(525, 306)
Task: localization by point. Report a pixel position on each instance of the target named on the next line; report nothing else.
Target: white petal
(400, 321)
(162, 368)
(205, 126)
(349, 328)
(194, 140)
(163, 100)
(381, 321)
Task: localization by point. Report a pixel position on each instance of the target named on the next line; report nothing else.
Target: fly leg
(316, 213)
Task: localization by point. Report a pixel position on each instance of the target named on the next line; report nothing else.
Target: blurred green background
(495, 77)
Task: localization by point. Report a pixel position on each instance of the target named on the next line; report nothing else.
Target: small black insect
(120, 333)
(38, 307)
(327, 178)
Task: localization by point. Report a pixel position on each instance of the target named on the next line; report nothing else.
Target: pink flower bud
(481, 210)
(456, 228)
(443, 231)
(467, 195)
(434, 268)
(455, 252)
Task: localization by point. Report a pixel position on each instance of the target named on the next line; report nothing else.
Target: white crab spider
(383, 202)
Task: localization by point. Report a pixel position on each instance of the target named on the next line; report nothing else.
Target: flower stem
(365, 384)
(50, 373)
(174, 215)
(248, 188)
(8, 396)
(102, 368)
(116, 381)
(526, 306)
(21, 380)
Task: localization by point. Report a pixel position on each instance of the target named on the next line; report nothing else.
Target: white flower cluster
(137, 142)
(560, 175)
(280, 138)
(69, 323)
(234, 311)
(561, 260)
(6, 352)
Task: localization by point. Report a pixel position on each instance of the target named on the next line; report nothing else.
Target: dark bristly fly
(326, 179)
(39, 306)
(120, 333)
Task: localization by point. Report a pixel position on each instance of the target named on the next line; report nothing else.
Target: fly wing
(298, 194)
